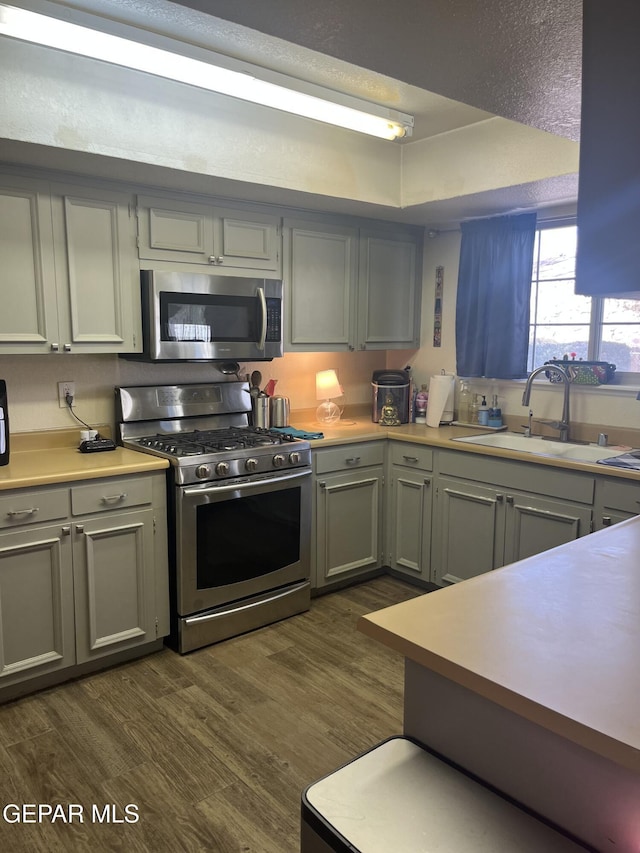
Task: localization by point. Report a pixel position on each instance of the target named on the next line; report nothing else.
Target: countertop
(357, 429)
(53, 457)
(553, 638)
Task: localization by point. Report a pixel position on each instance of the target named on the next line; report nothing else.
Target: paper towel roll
(441, 389)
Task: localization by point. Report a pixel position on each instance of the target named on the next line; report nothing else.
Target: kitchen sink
(541, 446)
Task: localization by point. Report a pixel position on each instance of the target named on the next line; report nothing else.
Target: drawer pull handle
(410, 458)
(352, 460)
(111, 499)
(31, 511)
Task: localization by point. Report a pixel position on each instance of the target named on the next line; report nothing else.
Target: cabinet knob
(55, 347)
(499, 498)
(67, 347)
(79, 528)
(66, 530)
(322, 484)
(510, 499)
(427, 481)
(606, 521)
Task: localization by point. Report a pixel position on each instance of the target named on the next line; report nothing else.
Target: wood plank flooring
(213, 749)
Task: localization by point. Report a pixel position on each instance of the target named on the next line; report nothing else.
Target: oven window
(198, 317)
(247, 537)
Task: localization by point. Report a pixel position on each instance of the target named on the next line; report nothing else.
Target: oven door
(234, 541)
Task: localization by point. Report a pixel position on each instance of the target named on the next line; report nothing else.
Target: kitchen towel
(298, 433)
(624, 460)
(440, 403)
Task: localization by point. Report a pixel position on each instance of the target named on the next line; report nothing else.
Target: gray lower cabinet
(348, 510)
(481, 526)
(92, 584)
(409, 510)
(616, 500)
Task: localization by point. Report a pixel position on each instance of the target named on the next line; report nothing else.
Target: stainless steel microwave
(200, 317)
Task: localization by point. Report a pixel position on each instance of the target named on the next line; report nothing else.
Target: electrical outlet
(65, 388)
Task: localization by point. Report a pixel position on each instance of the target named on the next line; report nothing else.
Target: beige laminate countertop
(357, 429)
(53, 457)
(554, 638)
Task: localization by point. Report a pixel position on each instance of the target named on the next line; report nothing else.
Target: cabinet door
(96, 269)
(410, 522)
(320, 281)
(348, 524)
(36, 602)
(536, 524)
(29, 316)
(389, 291)
(114, 583)
(247, 239)
(470, 530)
(175, 231)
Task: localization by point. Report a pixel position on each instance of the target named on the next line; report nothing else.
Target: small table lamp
(327, 386)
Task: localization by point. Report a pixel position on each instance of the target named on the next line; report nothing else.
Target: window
(563, 323)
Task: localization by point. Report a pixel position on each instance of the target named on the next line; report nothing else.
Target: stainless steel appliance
(239, 506)
(201, 317)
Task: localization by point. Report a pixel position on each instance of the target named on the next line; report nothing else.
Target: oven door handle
(237, 487)
(263, 331)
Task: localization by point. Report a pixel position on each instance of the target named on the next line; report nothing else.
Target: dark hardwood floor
(212, 749)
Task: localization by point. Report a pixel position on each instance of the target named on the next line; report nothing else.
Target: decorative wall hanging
(437, 312)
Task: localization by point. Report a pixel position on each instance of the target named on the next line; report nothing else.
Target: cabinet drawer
(348, 456)
(110, 494)
(412, 455)
(29, 507)
(621, 495)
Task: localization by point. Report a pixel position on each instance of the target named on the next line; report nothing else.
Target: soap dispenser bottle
(495, 413)
(483, 412)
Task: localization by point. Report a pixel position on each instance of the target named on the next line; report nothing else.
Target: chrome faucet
(563, 425)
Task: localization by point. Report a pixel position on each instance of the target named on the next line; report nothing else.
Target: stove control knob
(251, 464)
(278, 460)
(202, 472)
(294, 458)
(222, 469)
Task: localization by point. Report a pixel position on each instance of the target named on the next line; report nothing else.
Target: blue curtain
(494, 287)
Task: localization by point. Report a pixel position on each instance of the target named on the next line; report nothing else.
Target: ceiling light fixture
(243, 82)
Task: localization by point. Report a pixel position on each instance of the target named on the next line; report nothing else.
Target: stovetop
(203, 431)
(214, 441)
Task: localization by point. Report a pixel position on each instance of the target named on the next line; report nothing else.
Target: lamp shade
(327, 385)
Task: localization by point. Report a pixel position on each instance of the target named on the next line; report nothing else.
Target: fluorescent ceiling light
(85, 41)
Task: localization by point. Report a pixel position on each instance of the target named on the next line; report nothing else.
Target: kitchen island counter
(538, 661)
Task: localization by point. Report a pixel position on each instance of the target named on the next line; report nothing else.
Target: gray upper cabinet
(321, 282)
(173, 231)
(350, 288)
(29, 316)
(71, 267)
(389, 290)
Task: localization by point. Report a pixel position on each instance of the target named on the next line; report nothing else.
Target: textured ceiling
(515, 58)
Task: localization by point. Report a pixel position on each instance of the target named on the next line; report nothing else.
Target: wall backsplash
(33, 391)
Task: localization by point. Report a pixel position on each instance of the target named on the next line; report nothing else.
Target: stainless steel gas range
(239, 506)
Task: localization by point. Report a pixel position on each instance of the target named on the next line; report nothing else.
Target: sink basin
(541, 446)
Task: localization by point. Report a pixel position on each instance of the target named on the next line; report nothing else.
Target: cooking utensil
(256, 379)
(279, 408)
(230, 368)
(270, 387)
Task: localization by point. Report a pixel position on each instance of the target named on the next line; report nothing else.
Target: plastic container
(464, 403)
(495, 413)
(483, 412)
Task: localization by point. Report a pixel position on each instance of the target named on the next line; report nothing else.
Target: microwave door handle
(263, 332)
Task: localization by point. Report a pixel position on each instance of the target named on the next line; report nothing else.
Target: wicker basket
(583, 372)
